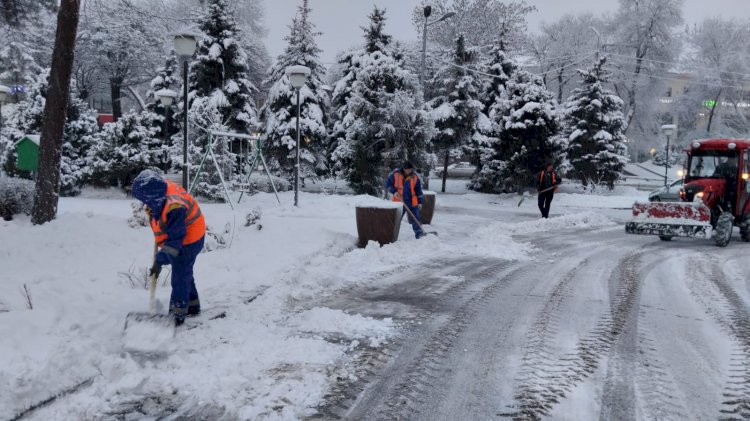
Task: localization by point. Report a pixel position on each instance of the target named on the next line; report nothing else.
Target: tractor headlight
(700, 195)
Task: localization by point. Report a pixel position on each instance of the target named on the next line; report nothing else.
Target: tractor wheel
(745, 230)
(723, 232)
(665, 237)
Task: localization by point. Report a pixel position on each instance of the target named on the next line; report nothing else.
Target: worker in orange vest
(406, 187)
(548, 182)
(179, 231)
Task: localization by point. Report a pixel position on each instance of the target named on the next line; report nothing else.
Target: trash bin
(378, 220)
(428, 207)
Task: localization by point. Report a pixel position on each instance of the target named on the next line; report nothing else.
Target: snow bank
(580, 220)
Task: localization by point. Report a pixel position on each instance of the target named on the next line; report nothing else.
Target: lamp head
(297, 75)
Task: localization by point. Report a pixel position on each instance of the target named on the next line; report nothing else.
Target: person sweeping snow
(548, 182)
(179, 231)
(406, 187)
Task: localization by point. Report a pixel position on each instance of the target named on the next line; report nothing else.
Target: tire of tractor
(745, 232)
(723, 232)
(665, 237)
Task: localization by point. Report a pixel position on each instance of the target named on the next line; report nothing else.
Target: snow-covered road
(501, 316)
(599, 325)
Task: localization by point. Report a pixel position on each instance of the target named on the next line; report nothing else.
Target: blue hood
(150, 188)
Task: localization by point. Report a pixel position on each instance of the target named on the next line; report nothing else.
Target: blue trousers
(415, 211)
(184, 293)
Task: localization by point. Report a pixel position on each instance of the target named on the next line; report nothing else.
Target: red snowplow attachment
(671, 219)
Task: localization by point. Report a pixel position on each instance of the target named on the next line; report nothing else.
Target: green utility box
(28, 153)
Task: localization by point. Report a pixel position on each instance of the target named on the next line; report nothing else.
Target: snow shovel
(149, 332)
(526, 195)
(421, 227)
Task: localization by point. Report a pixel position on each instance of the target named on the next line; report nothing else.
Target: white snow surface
(273, 355)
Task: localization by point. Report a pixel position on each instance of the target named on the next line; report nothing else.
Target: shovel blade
(148, 333)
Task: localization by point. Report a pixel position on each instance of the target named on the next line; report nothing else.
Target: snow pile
(373, 202)
(494, 241)
(326, 320)
(579, 220)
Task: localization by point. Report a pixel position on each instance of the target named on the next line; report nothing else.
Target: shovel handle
(152, 285)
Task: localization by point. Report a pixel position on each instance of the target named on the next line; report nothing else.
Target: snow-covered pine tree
(530, 122)
(279, 114)
(457, 112)
(78, 135)
(485, 155)
(219, 74)
(374, 87)
(125, 148)
(167, 77)
(220, 91)
(593, 125)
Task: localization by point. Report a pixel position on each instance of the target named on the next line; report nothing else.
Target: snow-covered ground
(283, 343)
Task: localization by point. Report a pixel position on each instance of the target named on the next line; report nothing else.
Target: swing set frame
(244, 186)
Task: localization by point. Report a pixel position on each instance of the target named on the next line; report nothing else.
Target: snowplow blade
(148, 333)
(671, 219)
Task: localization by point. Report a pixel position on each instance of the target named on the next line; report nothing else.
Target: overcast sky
(340, 20)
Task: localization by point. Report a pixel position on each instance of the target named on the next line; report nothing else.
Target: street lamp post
(185, 45)
(166, 98)
(598, 41)
(668, 130)
(4, 95)
(297, 77)
(427, 12)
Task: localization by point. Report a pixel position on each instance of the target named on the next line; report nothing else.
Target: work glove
(155, 270)
(419, 206)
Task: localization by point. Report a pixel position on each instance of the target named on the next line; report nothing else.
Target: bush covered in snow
(253, 217)
(139, 217)
(260, 183)
(16, 197)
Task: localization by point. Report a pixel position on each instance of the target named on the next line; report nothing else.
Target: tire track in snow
(413, 387)
(402, 385)
(736, 321)
(542, 386)
(343, 394)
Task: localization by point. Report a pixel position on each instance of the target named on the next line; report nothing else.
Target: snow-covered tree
(644, 42)
(563, 43)
(372, 90)
(78, 134)
(593, 126)
(458, 114)
(501, 67)
(486, 153)
(529, 120)
(279, 114)
(124, 47)
(18, 13)
(219, 76)
(481, 22)
(167, 77)
(127, 147)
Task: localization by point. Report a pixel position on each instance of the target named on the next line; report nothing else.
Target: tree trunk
(713, 112)
(560, 85)
(115, 88)
(445, 169)
(50, 148)
(631, 93)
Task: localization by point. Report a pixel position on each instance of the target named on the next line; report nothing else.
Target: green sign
(709, 103)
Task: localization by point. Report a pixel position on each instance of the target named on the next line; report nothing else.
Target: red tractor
(715, 196)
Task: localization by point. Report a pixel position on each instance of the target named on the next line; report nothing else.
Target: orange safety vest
(399, 181)
(541, 179)
(195, 224)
